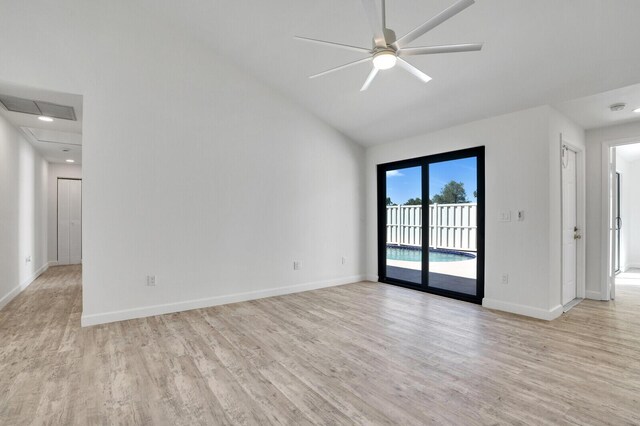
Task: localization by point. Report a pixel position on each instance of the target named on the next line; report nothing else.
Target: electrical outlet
(27, 259)
(151, 280)
(520, 215)
(344, 260)
(296, 265)
(505, 279)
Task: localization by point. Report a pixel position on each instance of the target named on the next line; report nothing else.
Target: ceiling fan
(387, 51)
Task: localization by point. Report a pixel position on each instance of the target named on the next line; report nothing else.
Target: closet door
(69, 221)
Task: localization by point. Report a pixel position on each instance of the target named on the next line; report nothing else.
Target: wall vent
(27, 106)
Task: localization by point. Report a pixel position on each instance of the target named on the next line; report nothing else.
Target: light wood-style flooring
(356, 354)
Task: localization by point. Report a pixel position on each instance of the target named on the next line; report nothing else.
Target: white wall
(193, 171)
(522, 173)
(23, 226)
(631, 209)
(630, 212)
(596, 264)
(57, 170)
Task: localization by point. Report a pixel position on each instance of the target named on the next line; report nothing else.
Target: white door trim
(607, 283)
(581, 255)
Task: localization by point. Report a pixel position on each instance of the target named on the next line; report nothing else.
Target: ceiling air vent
(27, 106)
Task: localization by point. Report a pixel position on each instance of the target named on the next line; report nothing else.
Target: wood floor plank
(355, 354)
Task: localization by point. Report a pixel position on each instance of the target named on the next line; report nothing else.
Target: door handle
(576, 233)
(618, 223)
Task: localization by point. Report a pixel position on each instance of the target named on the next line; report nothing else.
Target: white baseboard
(372, 278)
(594, 295)
(168, 308)
(53, 263)
(18, 289)
(525, 310)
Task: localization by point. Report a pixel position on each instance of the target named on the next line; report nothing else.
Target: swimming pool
(413, 254)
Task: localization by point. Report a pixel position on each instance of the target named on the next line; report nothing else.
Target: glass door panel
(453, 225)
(403, 226)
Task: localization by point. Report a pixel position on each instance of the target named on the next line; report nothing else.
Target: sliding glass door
(403, 228)
(431, 223)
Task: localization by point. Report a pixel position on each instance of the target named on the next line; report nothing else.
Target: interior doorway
(69, 221)
(623, 216)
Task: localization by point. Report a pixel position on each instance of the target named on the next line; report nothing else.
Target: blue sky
(403, 184)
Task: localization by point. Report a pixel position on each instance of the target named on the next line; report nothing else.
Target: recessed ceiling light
(70, 161)
(618, 107)
(637, 110)
(45, 118)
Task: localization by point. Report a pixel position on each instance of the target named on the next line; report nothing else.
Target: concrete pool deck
(464, 268)
(455, 276)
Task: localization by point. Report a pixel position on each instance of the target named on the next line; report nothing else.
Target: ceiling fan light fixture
(384, 60)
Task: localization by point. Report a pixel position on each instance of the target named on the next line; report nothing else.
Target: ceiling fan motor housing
(389, 35)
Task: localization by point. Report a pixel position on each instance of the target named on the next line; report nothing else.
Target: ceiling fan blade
(413, 70)
(374, 22)
(372, 75)
(448, 48)
(359, 61)
(331, 43)
(433, 22)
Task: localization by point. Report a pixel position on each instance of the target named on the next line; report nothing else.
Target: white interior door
(613, 202)
(69, 221)
(570, 231)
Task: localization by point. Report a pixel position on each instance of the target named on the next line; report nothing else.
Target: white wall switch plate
(151, 280)
(505, 216)
(296, 265)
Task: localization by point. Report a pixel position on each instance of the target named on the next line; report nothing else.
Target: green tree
(414, 202)
(475, 194)
(390, 203)
(451, 193)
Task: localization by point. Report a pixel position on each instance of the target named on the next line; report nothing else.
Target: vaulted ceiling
(536, 52)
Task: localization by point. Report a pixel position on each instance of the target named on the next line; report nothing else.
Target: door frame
(607, 226)
(479, 153)
(617, 226)
(581, 251)
(58, 218)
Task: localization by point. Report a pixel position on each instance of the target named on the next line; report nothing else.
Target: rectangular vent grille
(27, 106)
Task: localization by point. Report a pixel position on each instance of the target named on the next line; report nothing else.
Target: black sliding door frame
(424, 162)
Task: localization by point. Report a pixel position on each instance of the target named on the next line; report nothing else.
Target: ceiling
(594, 111)
(50, 139)
(535, 53)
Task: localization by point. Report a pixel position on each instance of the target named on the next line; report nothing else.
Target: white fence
(451, 226)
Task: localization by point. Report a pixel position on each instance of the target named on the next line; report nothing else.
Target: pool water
(415, 255)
